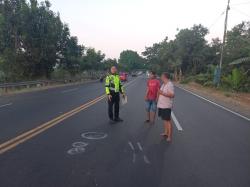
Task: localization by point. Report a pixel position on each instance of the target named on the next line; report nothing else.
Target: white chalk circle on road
(76, 150)
(94, 135)
(80, 144)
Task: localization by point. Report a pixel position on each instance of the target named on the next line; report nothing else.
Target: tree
(186, 53)
(92, 59)
(153, 57)
(238, 43)
(34, 41)
(130, 60)
(71, 54)
(189, 53)
(190, 48)
(109, 63)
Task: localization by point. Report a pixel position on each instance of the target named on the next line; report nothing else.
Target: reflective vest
(113, 84)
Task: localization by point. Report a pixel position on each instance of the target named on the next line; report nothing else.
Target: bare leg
(152, 117)
(148, 117)
(169, 130)
(165, 123)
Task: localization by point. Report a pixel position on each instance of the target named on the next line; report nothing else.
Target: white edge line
(139, 145)
(218, 105)
(1, 106)
(176, 122)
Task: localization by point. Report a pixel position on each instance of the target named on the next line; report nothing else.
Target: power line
(243, 3)
(241, 12)
(216, 20)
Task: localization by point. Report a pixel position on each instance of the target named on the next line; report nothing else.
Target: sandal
(164, 135)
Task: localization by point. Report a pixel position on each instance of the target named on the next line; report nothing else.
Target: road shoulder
(237, 102)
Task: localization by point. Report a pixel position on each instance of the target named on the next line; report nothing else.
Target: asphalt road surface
(61, 137)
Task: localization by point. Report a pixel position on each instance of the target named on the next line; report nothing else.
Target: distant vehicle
(123, 77)
(134, 74)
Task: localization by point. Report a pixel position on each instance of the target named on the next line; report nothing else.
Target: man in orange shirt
(153, 86)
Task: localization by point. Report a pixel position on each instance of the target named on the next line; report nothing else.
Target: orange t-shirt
(153, 88)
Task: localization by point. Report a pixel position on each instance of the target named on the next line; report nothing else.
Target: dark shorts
(165, 113)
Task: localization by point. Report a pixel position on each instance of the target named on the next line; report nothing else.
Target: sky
(116, 25)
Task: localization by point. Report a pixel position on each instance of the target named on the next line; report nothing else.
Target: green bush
(60, 74)
(209, 83)
(2, 76)
(237, 81)
(186, 80)
(201, 78)
(227, 94)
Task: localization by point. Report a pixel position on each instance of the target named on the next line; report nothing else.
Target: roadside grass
(227, 94)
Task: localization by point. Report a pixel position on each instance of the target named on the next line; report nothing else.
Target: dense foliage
(131, 60)
(191, 55)
(34, 43)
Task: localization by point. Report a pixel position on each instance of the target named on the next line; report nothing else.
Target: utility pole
(225, 34)
(217, 73)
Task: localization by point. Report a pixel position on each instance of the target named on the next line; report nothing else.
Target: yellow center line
(33, 132)
(12, 143)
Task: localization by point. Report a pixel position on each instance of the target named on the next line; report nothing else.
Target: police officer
(113, 89)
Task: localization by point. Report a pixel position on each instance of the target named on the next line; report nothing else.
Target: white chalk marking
(131, 146)
(176, 122)
(70, 90)
(94, 135)
(1, 106)
(146, 160)
(76, 150)
(134, 157)
(218, 105)
(80, 144)
(139, 145)
(133, 149)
